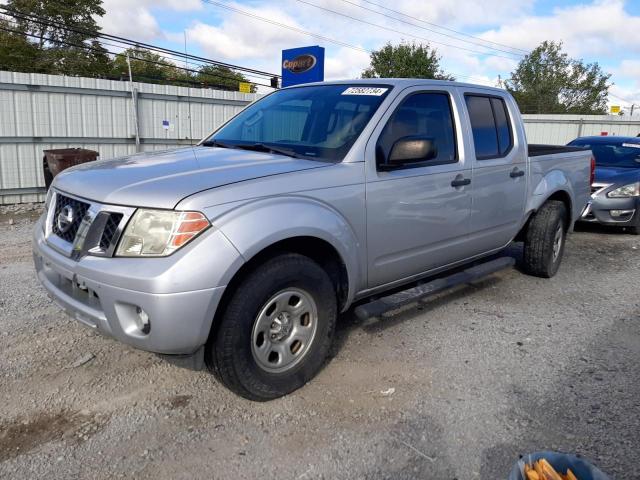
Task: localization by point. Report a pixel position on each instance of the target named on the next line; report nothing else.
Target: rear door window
(502, 125)
(490, 125)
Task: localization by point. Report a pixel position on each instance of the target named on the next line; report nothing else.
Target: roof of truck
(401, 82)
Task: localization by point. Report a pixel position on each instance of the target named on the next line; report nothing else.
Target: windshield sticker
(375, 91)
(632, 145)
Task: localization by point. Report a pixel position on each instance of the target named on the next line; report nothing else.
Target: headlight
(47, 200)
(631, 190)
(47, 204)
(158, 233)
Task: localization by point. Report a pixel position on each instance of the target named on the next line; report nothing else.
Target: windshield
(316, 122)
(625, 155)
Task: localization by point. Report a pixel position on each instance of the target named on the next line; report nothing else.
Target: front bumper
(601, 209)
(98, 292)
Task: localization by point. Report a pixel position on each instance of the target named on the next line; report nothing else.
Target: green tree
(406, 60)
(548, 81)
(64, 32)
(16, 52)
(217, 76)
(149, 67)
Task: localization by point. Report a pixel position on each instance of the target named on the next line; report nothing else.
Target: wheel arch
(560, 195)
(318, 249)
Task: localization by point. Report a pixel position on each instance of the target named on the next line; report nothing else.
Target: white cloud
(239, 37)
(602, 28)
(597, 30)
(460, 13)
(345, 63)
(630, 69)
(135, 19)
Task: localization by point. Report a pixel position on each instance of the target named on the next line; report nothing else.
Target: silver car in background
(615, 197)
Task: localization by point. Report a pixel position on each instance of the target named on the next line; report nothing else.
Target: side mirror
(411, 149)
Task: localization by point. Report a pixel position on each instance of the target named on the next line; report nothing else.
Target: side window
(426, 115)
(503, 126)
(490, 125)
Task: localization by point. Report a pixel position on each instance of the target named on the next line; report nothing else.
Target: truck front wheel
(545, 239)
(276, 330)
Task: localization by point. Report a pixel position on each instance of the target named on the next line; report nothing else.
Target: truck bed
(538, 149)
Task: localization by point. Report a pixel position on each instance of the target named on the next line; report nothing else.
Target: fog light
(142, 321)
(621, 213)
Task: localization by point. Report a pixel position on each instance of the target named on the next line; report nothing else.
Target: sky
(479, 41)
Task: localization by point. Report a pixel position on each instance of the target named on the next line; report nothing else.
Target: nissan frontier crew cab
(239, 253)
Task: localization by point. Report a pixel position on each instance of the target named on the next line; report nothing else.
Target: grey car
(240, 253)
(615, 198)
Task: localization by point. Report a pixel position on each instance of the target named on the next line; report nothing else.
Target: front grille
(77, 210)
(110, 230)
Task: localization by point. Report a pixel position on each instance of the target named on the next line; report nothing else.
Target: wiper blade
(216, 143)
(263, 147)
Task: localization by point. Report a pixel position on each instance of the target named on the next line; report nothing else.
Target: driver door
(417, 220)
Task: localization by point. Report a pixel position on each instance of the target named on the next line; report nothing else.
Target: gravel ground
(456, 388)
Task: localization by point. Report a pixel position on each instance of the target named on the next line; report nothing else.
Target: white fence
(561, 129)
(40, 112)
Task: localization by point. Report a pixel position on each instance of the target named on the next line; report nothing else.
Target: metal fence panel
(561, 129)
(40, 112)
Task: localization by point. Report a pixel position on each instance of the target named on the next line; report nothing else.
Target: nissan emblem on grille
(65, 218)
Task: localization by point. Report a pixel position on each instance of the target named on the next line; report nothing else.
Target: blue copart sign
(302, 65)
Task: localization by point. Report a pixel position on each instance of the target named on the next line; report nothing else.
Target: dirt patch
(179, 401)
(25, 434)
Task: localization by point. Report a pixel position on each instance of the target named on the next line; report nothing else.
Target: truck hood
(162, 179)
(616, 175)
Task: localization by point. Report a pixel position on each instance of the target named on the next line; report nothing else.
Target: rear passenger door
(499, 179)
(417, 219)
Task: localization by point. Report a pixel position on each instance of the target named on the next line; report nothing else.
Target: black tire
(229, 352)
(540, 237)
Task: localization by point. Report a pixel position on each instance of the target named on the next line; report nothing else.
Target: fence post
(580, 126)
(134, 102)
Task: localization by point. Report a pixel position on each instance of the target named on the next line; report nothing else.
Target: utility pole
(134, 104)
(632, 107)
(188, 88)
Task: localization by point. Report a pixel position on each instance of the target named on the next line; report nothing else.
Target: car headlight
(631, 190)
(158, 233)
(45, 210)
(47, 200)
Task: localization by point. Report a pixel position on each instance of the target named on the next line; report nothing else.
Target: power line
(440, 26)
(284, 25)
(620, 98)
(146, 60)
(366, 22)
(430, 29)
(127, 41)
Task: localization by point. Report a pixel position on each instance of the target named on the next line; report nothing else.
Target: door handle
(460, 182)
(516, 172)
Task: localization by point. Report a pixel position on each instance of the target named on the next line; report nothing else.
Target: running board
(396, 300)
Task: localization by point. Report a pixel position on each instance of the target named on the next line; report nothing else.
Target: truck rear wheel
(545, 239)
(276, 330)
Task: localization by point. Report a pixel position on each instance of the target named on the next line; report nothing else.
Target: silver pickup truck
(239, 253)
